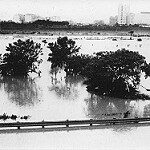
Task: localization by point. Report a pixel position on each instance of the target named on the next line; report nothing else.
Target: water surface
(49, 98)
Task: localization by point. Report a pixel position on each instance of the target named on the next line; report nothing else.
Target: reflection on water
(22, 91)
(57, 97)
(104, 107)
(67, 88)
(109, 108)
(65, 91)
(53, 98)
(124, 128)
(146, 110)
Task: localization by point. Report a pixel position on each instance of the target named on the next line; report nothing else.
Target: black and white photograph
(74, 74)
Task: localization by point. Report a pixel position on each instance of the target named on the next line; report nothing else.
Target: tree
(116, 73)
(61, 51)
(21, 58)
(76, 64)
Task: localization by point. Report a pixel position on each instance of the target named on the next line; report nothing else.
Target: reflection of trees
(68, 88)
(135, 109)
(1, 84)
(123, 129)
(74, 79)
(22, 91)
(146, 112)
(105, 108)
(108, 108)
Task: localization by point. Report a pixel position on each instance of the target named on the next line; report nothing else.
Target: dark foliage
(21, 58)
(116, 73)
(61, 51)
(75, 64)
(7, 27)
(39, 24)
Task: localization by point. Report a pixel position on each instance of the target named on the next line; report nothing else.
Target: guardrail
(68, 123)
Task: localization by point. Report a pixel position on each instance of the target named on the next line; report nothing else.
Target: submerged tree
(61, 51)
(116, 73)
(21, 58)
(75, 64)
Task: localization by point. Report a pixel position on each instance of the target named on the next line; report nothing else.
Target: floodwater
(50, 99)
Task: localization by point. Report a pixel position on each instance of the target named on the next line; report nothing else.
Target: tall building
(142, 18)
(132, 18)
(123, 14)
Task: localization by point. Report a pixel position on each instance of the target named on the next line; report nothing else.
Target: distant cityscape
(20, 18)
(124, 17)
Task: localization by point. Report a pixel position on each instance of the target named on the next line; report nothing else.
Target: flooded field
(47, 98)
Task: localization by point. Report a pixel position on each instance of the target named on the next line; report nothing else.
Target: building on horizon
(19, 18)
(71, 22)
(32, 18)
(99, 22)
(142, 18)
(53, 18)
(123, 14)
(113, 20)
(132, 18)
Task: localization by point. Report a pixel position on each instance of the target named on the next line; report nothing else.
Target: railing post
(114, 119)
(91, 122)
(18, 126)
(43, 125)
(136, 120)
(67, 123)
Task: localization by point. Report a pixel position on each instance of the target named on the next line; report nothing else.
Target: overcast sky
(77, 10)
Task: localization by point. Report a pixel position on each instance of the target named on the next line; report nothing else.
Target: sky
(84, 11)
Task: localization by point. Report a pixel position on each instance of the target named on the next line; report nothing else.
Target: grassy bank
(78, 32)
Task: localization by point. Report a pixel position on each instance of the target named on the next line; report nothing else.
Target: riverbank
(72, 32)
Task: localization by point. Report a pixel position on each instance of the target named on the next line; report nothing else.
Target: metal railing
(68, 123)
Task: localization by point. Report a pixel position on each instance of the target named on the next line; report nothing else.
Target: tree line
(47, 25)
(109, 73)
(114, 73)
(38, 24)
